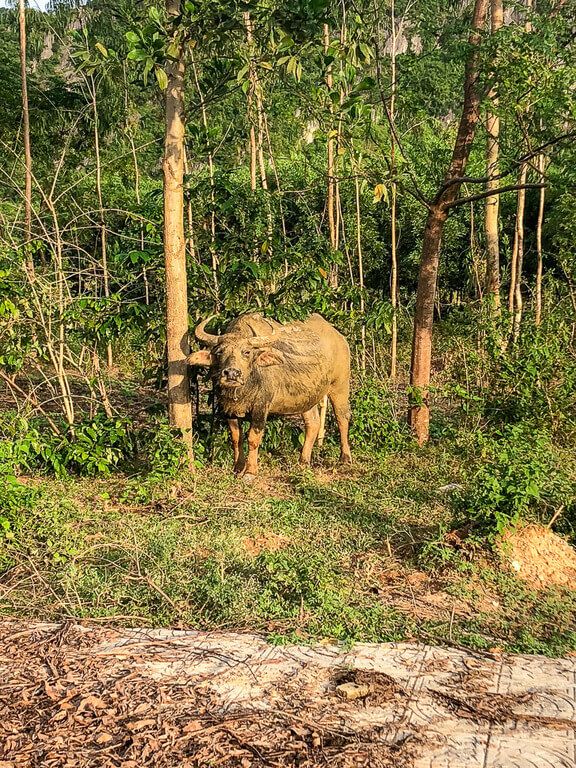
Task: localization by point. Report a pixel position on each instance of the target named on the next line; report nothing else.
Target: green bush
(535, 380)
(521, 476)
(374, 423)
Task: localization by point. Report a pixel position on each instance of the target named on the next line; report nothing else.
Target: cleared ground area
(82, 696)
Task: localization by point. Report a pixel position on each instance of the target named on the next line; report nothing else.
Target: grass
(345, 554)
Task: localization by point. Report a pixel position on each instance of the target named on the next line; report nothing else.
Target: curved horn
(207, 338)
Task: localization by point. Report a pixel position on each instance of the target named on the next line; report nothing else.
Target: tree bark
(393, 255)
(419, 410)
(515, 296)
(179, 402)
(492, 171)
(26, 132)
(539, 268)
(356, 171)
(103, 249)
(331, 153)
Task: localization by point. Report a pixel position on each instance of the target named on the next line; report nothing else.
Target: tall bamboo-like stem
(474, 253)
(515, 291)
(393, 254)
(256, 93)
(515, 301)
(203, 112)
(26, 132)
(493, 167)
(331, 153)
(179, 401)
(356, 169)
(539, 268)
(103, 250)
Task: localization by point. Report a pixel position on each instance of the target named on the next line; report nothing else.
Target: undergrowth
(104, 523)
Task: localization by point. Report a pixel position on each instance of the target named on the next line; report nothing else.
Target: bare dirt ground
(82, 696)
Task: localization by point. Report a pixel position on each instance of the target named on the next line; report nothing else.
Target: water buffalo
(261, 367)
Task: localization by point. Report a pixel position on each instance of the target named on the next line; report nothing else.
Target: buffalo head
(233, 357)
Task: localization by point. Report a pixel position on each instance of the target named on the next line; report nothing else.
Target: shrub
(374, 422)
(521, 475)
(535, 380)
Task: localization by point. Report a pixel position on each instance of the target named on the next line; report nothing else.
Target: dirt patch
(270, 542)
(539, 557)
(376, 687)
(417, 594)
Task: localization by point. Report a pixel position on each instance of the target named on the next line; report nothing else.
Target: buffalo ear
(203, 357)
(269, 357)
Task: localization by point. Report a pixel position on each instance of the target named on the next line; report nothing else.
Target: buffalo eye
(245, 353)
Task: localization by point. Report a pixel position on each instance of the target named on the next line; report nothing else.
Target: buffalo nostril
(231, 373)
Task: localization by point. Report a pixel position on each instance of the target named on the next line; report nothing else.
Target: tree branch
(490, 193)
(518, 161)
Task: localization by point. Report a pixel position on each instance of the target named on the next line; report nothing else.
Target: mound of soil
(539, 557)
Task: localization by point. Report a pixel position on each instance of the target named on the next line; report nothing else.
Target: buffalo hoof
(248, 478)
(345, 458)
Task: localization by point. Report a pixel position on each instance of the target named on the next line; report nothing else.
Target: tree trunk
(331, 153)
(104, 263)
(356, 170)
(26, 132)
(538, 308)
(515, 297)
(493, 168)
(179, 402)
(419, 410)
(393, 255)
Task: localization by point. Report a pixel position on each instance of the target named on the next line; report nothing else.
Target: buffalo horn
(209, 339)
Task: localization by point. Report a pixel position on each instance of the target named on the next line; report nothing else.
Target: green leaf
(103, 50)
(137, 54)
(162, 78)
(173, 50)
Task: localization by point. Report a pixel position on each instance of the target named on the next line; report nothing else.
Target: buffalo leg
(311, 428)
(323, 408)
(236, 435)
(341, 408)
(255, 435)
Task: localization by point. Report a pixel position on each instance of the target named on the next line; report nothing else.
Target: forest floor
(365, 554)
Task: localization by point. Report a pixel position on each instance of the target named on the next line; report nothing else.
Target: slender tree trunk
(419, 411)
(539, 269)
(515, 297)
(356, 169)
(477, 266)
(331, 153)
(104, 254)
(393, 256)
(515, 301)
(26, 133)
(213, 256)
(493, 168)
(179, 402)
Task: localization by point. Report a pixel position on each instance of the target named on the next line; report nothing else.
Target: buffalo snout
(231, 377)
